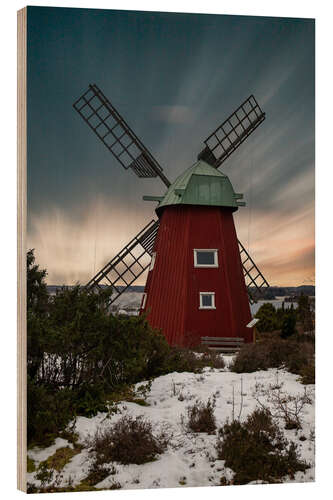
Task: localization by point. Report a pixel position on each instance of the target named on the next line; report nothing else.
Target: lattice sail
(116, 135)
(126, 267)
(252, 274)
(232, 132)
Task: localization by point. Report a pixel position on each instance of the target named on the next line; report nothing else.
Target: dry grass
(61, 457)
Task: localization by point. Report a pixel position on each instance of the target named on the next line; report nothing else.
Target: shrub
(128, 441)
(307, 373)
(89, 400)
(296, 357)
(212, 359)
(78, 354)
(278, 352)
(282, 405)
(97, 473)
(200, 417)
(48, 412)
(185, 360)
(250, 358)
(300, 357)
(257, 450)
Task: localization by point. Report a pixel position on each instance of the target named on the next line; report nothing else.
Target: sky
(174, 78)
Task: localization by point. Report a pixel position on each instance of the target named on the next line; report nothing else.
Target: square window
(205, 258)
(207, 300)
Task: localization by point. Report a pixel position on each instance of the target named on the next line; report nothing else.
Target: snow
(190, 459)
(41, 454)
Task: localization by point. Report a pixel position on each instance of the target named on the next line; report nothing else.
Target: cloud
(175, 114)
(281, 244)
(74, 248)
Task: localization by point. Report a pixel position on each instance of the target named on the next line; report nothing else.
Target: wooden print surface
(166, 313)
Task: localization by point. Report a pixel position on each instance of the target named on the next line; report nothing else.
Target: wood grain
(21, 248)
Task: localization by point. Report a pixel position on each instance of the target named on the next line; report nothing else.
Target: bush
(48, 412)
(281, 405)
(300, 357)
(78, 354)
(128, 441)
(185, 360)
(250, 358)
(308, 373)
(97, 473)
(212, 359)
(296, 357)
(257, 450)
(200, 417)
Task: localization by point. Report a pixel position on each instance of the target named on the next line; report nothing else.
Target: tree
(268, 318)
(37, 308)
(288, 326)
(37, 295)
(304, 312)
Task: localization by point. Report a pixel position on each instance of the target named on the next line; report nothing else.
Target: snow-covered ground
(190, 459)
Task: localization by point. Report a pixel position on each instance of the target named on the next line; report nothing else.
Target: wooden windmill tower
(199, 275)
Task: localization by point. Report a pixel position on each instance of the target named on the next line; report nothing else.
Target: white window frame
(152, 262)
(143, 301)
(201, 306)
(216, 259)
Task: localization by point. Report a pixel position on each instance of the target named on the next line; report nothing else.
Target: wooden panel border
(21, 248)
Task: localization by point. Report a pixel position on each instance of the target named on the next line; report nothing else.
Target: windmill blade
(232, 132)
(253, 276)
(110, 127)
(126, 267)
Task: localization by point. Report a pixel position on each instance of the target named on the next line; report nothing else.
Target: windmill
(200, 275)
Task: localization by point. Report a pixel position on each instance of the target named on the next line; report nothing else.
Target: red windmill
(200, 275)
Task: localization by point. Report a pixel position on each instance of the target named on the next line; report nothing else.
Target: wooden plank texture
(21, 248)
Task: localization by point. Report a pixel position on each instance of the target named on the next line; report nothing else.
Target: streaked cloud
(174, 78)
(173, 114)
(74, 249)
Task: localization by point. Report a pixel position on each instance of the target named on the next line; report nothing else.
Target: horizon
(142, 286)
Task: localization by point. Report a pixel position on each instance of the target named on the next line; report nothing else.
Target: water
(277, 303)
(133, 300)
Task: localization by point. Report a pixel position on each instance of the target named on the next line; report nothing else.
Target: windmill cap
(201, 184)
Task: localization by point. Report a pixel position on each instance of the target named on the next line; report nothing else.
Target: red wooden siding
(174, 285)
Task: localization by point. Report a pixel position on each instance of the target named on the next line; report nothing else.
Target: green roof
(201, 184)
